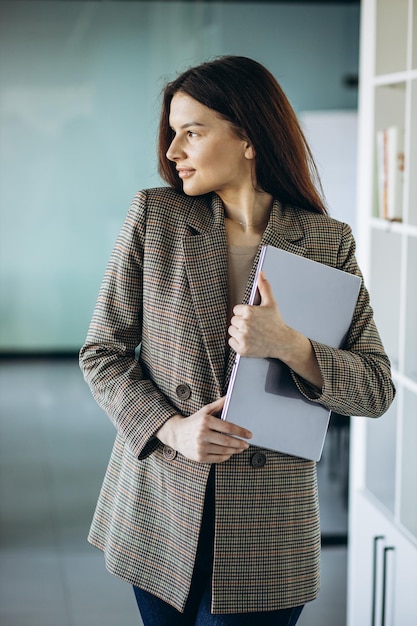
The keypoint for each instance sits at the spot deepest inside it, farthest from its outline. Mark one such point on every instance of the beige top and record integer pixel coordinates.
(240, 261)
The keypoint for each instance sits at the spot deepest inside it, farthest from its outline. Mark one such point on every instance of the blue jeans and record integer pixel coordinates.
(156, 612)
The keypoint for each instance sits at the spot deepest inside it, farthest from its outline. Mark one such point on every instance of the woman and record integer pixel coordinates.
(209, 529)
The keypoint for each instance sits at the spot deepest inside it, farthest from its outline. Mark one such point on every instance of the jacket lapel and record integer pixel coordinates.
(205, 252)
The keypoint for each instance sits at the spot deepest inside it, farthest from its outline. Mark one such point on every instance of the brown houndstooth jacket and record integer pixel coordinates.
(165, 288)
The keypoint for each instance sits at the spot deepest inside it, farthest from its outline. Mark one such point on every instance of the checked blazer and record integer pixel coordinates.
(157, 346)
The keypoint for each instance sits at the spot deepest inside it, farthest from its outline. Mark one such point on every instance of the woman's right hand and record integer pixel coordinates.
(203, 437)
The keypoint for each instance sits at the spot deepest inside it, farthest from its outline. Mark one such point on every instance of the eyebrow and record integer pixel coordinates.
(188, 124)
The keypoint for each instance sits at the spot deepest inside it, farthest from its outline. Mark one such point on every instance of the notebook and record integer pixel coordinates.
(317, 300)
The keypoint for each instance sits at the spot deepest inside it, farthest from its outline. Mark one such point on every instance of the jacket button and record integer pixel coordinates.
(169, 453)
(183, 391)
(258, 460)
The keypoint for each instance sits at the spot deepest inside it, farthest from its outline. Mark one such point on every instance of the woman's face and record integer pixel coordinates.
(208, 154)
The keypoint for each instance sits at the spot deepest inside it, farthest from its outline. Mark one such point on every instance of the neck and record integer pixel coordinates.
(247, 224)
(250, 212)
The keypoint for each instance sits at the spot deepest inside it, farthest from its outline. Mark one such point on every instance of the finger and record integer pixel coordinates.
(234, 430)
(265, 291)
(233, 331)
(234, 344)
(217, 405)
(225, 451)
(227, 442)
(219, 448)
(235, 321)
(240, 310)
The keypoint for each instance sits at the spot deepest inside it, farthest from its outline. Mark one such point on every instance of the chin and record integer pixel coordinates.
(195, 191)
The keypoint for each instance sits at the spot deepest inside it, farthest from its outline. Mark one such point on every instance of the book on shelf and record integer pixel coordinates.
(390, 172)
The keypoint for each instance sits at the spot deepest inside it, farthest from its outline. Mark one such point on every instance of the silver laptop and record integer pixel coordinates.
(318, 301)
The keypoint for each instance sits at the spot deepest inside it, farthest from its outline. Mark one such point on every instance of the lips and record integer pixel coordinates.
(184, 172)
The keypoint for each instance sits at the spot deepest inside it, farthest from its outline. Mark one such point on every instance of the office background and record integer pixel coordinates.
(79, 104)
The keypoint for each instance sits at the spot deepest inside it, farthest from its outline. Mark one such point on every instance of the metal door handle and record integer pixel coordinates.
(377, 538)
(384, 582)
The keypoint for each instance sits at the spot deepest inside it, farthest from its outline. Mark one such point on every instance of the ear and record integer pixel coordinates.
(249, 151)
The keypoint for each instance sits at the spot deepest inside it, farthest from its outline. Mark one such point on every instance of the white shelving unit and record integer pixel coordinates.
(382, 577)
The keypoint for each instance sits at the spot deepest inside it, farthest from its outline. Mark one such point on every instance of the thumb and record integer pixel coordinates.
(265, 291)
(217, 405)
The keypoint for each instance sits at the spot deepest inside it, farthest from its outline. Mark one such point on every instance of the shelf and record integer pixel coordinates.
(383, 477)
(399, 228)
(391, 80)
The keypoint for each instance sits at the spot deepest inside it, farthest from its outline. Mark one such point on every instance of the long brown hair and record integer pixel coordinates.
(246, 94)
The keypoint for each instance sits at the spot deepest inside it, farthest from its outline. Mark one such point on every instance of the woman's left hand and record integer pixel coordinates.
(259, 331)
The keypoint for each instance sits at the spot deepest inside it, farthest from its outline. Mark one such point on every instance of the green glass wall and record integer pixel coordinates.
(79, 98)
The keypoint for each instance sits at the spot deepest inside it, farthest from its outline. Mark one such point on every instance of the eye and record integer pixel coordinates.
(191, 133)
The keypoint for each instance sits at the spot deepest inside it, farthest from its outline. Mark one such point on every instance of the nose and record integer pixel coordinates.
(175, 151)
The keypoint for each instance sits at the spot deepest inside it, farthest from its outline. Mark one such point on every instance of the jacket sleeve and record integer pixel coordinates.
(107, 359)
(357, 377)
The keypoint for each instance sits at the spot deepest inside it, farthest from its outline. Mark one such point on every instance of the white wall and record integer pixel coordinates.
(332, 136)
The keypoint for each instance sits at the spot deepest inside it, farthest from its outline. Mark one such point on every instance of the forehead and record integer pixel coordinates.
(185, 109)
